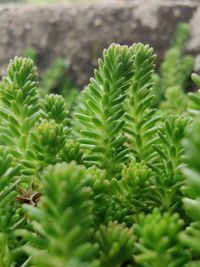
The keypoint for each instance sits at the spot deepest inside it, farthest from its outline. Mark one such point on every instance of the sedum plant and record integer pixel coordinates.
(62, 243)
(113, 183)
(102, 133)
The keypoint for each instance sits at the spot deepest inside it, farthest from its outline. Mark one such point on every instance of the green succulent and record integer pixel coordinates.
(114, 183)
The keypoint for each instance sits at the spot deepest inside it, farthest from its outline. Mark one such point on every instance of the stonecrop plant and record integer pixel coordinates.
(115, 183)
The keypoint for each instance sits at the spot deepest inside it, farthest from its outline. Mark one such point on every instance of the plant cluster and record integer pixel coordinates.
(116, 183)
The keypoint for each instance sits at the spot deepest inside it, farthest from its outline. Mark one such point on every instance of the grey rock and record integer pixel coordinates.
(193, 45)
(79, 33)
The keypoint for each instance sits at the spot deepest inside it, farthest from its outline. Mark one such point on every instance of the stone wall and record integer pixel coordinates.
(80, 32)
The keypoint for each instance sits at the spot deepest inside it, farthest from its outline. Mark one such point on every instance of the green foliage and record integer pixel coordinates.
(112, 183)
(132, 193)
(195, 97)
(191, 188)
(54, 108)
(53, 74)
(55, 80)
(20, 107)
(176, 101)
(47, 139)
(170, 151)
(140, 124)
(60, 242)
(72, 152)
(172, 81)
(116, 243)
(158, 244)
(101, 133)
(10, 215)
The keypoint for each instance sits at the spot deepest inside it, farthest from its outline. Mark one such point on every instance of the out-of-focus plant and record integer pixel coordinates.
(172, 81)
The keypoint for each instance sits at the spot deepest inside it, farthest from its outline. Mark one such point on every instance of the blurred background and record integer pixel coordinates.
(63, 1)
(66, 37)
(54, 1)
